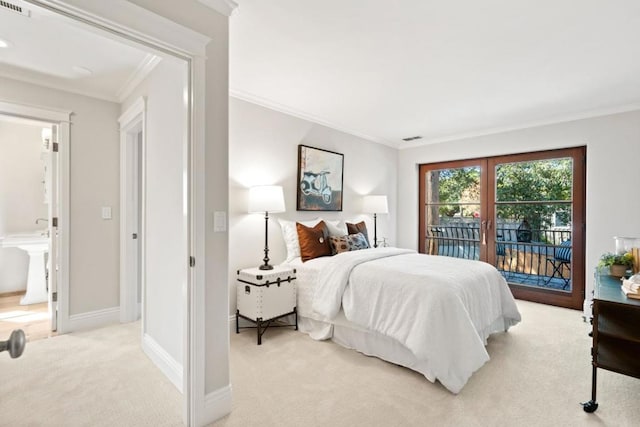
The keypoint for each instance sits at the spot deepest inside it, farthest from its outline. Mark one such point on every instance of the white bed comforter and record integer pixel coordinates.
(442, 309)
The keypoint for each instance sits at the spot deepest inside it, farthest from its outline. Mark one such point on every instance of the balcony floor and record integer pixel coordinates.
(536, 281)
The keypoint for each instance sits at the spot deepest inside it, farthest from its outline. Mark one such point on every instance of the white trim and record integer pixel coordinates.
(141, 72)
(546, 122)
(163, 360)
(217, 404)
(121, 18)
(62, 118)
(254, 99)
(232, 324)
(57, 85)
(401, 145)
(137, 108)
(133, 118)
(64, 224)
(125, 19)
(225, 7)
(93, 319)
(35, 112)
(195, 380)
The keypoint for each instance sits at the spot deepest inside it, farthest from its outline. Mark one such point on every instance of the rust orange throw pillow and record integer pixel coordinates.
(314, 241)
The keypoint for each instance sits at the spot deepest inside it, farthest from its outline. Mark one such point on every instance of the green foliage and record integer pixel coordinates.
(532, 190)
(609, 259)
(535, 181)
(458, 185)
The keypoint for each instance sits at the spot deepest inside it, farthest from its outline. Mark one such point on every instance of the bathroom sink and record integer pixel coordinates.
(29, 241)
(36, 244)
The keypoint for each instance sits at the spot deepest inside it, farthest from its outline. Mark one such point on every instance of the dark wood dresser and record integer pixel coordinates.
(616, 333)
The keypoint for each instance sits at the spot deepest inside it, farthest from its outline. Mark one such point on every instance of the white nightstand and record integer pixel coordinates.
(264, 296)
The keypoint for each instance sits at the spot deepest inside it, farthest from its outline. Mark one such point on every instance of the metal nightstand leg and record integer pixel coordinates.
(258, 326)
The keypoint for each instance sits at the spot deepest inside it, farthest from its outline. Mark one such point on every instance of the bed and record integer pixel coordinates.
(432, 314)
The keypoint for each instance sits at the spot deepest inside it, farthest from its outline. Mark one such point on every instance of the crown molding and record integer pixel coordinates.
(145, 68)
(49, 83)
(225, 7)
(245, 96)
(590, 114)
(120, 18)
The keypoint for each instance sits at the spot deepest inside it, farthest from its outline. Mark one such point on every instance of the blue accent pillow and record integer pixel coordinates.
(351, 242)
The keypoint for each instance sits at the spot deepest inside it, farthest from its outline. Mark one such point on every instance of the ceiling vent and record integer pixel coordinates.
(5, 5)
(411, 138)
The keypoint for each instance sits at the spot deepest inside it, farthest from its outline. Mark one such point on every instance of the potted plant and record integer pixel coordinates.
(618, 263)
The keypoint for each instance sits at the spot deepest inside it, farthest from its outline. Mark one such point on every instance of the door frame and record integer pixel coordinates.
(487, 165)
(453, 164)
(62, 119)
(578, 227)
(136, 24)
(132, 209)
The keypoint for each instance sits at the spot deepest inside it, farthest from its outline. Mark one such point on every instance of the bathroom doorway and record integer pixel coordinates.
(29, 235)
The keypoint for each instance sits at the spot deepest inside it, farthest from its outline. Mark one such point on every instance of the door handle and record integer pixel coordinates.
(15, 344)
(484, 232)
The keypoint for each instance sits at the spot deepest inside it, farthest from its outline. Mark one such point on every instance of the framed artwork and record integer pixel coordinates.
(319, 179)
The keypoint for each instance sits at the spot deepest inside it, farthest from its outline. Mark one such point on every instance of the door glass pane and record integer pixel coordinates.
(533, 222)
(453, 212)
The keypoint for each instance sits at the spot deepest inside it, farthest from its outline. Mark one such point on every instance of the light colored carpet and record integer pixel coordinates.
(93, 378)
(538, 373)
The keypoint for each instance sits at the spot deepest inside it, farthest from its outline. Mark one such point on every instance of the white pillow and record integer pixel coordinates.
(336, 229)
(290, 235)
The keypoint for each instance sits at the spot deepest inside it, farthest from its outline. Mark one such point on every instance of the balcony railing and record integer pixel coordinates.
(531, 263)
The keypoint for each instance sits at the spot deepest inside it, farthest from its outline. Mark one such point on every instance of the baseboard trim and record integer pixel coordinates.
(12, 293)
(163, 360)
(93, 319)
(217, 404)
(232, 323)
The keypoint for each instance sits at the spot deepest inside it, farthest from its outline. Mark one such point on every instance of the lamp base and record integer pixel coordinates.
(266, 267)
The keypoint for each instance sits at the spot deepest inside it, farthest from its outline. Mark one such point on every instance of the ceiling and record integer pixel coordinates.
(441, 70)
(54, 51)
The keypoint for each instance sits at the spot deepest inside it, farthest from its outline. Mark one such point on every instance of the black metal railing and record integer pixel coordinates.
(534, 261)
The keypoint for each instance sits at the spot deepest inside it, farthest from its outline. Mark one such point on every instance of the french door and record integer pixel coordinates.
(522, 213)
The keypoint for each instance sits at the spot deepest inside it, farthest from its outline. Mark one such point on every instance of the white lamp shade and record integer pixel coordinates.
(375, 204)
(266, 198)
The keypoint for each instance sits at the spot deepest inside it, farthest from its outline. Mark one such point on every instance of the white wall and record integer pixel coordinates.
(264, 150)
(21, 196)
(196, 15)
(193, 14)
(165, 232)
(94, 151)
(613, 151)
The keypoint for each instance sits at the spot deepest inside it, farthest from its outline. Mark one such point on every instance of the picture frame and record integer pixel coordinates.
(320, 179)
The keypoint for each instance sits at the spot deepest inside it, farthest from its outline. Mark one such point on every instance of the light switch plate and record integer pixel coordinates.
(219, 221)
(106, 212)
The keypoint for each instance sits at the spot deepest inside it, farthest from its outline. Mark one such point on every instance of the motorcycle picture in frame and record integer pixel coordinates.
(320, 179)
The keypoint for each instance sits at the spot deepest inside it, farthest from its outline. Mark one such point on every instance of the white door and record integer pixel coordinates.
(134, 221)
(52, 195)
(131, 212)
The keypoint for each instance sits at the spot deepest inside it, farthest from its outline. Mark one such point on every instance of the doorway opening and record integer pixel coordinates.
(522, 213)
(132, 214)
(30, 251)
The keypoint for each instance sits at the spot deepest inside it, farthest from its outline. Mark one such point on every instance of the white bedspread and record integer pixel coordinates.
(442, 309)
